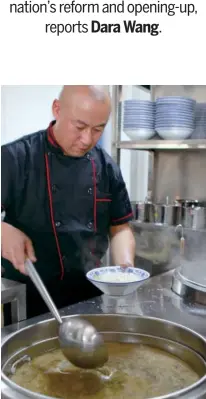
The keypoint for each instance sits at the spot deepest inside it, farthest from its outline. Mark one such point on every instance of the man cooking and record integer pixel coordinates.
(64, 197)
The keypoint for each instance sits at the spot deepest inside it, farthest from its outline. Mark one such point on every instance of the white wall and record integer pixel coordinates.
(25, 109)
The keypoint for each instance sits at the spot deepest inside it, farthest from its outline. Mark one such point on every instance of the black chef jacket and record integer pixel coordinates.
(64, 204)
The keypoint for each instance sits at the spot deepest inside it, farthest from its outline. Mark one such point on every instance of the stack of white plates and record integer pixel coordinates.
(175, 117)
(200, 122)
(138, 119)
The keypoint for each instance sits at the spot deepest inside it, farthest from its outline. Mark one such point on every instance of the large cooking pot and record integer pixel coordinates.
(175, 339)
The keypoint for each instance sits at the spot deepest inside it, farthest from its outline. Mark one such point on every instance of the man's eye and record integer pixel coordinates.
(98, 130)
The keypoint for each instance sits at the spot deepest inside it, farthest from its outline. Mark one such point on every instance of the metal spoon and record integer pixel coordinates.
(80, 342)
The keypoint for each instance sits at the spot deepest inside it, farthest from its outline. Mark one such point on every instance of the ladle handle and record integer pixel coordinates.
(36, 279)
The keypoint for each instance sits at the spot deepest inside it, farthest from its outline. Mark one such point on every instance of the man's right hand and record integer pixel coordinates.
(16, 246)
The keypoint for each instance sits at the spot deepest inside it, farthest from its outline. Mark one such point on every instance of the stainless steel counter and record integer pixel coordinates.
(155, 298)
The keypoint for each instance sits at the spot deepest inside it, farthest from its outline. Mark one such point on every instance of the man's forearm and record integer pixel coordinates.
(122, 245)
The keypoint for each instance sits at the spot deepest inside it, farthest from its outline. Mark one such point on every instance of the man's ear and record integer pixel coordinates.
(56, 109)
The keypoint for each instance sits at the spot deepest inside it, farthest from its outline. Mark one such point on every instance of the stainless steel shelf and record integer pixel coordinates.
(150, 145)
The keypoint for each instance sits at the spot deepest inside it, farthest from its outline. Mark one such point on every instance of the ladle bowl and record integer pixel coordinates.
(80, 342)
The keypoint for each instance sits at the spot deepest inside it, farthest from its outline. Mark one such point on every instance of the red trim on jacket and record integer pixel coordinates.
(95, 201)
(52, 140)
(124, 217)
(51, 137)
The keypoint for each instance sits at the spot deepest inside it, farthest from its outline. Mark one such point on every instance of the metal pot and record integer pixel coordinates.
(171, 213)
(194, 217)
(171, 337)
(148, 212)
(145, 212)
(193, 214)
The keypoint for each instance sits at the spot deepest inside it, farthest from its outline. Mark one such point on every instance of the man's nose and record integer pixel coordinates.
(86, 138)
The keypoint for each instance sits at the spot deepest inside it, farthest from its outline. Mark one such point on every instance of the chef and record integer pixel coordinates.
(64, 199)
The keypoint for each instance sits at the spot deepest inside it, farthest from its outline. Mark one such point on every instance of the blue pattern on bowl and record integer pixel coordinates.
(139, 273)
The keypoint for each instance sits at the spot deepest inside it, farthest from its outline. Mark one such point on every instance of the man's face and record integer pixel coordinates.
(79, 123)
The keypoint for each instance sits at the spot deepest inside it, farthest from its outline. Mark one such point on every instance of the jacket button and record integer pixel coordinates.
(90, 225)
(57, 224)
(54, 188)
(90, 190)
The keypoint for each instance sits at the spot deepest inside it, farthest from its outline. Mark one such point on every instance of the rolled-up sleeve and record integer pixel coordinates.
(7, 168)
(121, 211)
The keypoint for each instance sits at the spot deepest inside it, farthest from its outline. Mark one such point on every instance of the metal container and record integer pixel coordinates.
(173, 338)
(177, 214)
(172, 213)
(148, 212)
(14, 293)
(187, 289)
(158, 213)
(145, 212)
(194, 217)
(168, 215)
(193, 214)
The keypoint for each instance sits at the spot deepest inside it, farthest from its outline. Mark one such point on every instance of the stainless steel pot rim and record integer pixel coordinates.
(109, 315)
(188, 282)
(30, 394)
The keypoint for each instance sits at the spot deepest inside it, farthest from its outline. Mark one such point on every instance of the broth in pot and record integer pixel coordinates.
(133, 371)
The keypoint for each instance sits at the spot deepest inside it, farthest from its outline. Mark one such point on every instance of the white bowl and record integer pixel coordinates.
(174, 133)
(175, 100)
(117, 280)
(139, 133)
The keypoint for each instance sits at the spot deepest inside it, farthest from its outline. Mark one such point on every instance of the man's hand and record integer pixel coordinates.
(16, 246)
(126, 265)
(122, 245)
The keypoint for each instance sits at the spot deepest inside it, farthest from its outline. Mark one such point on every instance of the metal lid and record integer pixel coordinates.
(188, 289)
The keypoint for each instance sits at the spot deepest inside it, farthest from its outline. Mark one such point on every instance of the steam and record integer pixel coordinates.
(90, 250)
(160, 245)
(193, 264)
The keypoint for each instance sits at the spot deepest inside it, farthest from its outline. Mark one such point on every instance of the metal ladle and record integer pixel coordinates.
(81, 344)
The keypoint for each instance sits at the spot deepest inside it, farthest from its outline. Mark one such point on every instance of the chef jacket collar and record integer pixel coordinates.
(51, 138)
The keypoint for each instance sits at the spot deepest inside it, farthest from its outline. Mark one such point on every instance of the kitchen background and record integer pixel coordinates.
(165, 176)
(160, 145)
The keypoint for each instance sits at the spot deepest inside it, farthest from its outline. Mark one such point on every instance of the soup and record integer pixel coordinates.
(133, 371)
